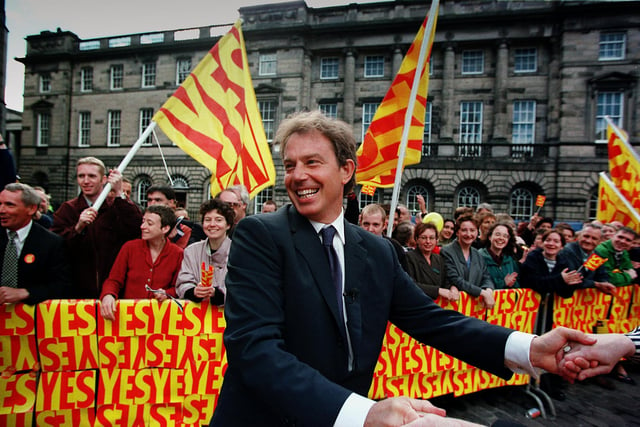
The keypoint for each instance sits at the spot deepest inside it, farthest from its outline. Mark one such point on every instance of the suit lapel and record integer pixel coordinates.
(309, 247)
(355, 255)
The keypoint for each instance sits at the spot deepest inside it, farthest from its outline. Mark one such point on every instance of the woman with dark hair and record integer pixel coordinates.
(426, 268)
(208, 255)
(498, 256)
(151, 261)
(465, 266)
(546, 270)
(446, 234)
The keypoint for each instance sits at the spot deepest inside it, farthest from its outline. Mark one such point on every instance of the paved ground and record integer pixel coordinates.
(587, 404)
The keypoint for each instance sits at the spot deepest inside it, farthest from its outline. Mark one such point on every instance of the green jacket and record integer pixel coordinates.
(614, 267)
(498, 272)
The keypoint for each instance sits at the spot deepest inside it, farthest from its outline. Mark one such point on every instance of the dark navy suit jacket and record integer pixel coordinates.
(288, 355)
(43, 268)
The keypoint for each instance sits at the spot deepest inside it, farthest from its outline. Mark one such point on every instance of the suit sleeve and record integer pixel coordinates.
(254, 338)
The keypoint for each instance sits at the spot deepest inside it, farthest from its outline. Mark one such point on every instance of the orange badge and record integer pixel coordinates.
(29, 258)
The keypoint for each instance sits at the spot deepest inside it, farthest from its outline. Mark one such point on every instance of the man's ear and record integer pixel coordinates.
(165, 229)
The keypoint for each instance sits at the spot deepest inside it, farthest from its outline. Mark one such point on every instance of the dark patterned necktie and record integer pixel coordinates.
(334, 264)
(10, 262)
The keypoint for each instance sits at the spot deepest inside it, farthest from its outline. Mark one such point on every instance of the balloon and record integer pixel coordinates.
(435, 218)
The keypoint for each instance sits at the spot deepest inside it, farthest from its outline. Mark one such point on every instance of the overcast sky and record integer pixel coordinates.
(101, 18)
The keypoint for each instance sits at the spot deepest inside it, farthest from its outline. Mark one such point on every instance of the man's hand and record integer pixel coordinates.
(597, 359)
(115, 179)
(398, 411)
(547, 350)
(86, 217)
(108, 307)
(10, 295)
(606, 287)
(571, 277)
(421, 203)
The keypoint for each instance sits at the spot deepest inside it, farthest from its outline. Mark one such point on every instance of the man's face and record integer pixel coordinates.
(589, 238)
(158, 198)
(236, 203)
(314, 180)
(544, 226)
(90, 180)
(404, 214)
(622, 241)
(14, 214)
(266, 208)
(126, 189)
(151, 227)
(373, 223)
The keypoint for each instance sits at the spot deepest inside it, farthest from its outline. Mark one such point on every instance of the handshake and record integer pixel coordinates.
(580, 356)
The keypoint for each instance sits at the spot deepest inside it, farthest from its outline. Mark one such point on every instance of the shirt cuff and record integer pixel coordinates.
(354, 411)
(517, 352)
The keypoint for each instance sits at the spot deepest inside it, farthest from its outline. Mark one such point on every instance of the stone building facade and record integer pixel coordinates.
(517, 96)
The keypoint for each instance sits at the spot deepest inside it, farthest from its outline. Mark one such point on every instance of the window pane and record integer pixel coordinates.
(470, 129)
(521, 204)
(329, 110)
(145, 120)
(268, 113)
(45, 83)
(86, 79)
(117, 73)
(426, 140)
(608, 104)
(183, 68)
(524, 122)
(113, 137)
(412, 201)
(525, 60)
(329, 68)
(43, 134)
(472, 62)
(365, 199)
(84, 137)
(612, 46)
(142, 187)
(261, 197)
(468, 197)
(368, 111)
(268, 65)
(374, 66)
(149, 74)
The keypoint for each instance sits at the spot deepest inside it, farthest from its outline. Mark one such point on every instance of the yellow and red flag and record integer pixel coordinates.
(378, 153)
(624, 164)
(213, 116)
(594, 261)
(540, 200)
(613, 206)
(369, 190)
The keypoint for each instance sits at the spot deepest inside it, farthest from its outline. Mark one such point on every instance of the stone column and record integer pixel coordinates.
(305, 96)
(349, 85)
(397, 61)
(448, 107)
(500, 93)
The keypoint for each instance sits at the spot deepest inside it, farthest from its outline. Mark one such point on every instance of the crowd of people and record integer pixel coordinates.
(311, 361)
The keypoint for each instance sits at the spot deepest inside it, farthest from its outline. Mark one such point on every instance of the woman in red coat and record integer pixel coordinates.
(150, 261)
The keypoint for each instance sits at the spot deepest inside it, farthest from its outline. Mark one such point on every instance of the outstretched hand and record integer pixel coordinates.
(398, 411)
(600, 358)
(548, 350)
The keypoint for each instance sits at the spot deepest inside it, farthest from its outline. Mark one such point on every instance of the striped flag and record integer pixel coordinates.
(213, 116)
(613, 206)
(378, 153)
(624, 164)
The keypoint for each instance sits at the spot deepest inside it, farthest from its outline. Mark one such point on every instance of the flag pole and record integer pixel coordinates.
(624, 200)
(124, 163)
(422, 59)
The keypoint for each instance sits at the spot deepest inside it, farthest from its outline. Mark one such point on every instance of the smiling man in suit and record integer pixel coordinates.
(302, 353)
(33, 261)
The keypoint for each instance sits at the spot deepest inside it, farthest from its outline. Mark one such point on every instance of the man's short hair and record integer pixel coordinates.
(270, 203)
(166, 214)
(240, 191)
(168, 192)
(486, 206)
(543, 220)
(338, 132)
(93, 161)
(627, 230)
(223, 208)
(29, 196)
(403, 232)
(373, 209)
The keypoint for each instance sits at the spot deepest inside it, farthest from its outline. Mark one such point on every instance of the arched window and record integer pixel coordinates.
(261, 197)
(180, 182)
(521, 204)
(592, 205)
(412, 202)
(365, 199)
(141, 191)
(468, 197)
